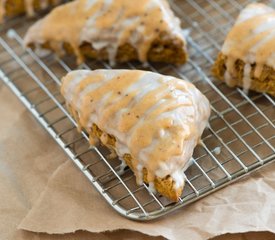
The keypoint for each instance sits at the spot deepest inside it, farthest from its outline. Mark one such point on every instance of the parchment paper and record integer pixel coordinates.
(69, 204)
(42, 191)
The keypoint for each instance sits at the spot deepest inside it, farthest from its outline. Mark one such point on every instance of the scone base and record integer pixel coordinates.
(166, 51)
(265, 83)
(17, 7)
(164, 186)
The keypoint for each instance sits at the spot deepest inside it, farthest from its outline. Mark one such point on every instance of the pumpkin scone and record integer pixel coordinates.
(247, 58)
(114, 30)
(151, 121)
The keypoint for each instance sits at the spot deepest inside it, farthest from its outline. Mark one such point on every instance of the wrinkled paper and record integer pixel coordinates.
(42, 191)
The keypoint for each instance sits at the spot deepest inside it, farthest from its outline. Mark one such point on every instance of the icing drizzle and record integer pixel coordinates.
(251, 40)
(157, 119)
(106, 24)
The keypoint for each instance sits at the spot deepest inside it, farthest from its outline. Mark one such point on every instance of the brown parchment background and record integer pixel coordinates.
(41, 191)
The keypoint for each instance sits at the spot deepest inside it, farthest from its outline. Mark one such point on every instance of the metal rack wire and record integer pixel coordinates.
(239, 140)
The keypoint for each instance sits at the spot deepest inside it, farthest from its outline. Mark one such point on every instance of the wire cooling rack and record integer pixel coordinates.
(241, 134)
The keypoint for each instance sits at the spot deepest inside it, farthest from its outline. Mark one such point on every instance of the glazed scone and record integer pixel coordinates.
(114, 30)
(152, 122)
(247, 58)
(12, 8)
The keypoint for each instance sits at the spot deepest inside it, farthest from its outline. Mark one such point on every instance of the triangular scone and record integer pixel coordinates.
(247, 58)
(12, 8)
(153, 122)
(117, 30)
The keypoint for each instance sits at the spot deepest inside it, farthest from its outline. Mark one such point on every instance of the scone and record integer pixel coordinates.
(114, 30)
(152, 122)
(12, 8)
(247, 58)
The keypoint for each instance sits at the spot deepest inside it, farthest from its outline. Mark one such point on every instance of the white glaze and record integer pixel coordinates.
(189, 116)
(251, 40)
(107, 24)
(217, 150)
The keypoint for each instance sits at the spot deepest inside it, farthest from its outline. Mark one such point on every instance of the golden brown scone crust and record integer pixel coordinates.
(16, 7)
(162, 50)
(164, 186)
(265, 83)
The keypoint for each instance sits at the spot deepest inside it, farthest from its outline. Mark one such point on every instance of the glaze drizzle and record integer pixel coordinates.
(251, 40)
(107, 24)
(157, 119)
